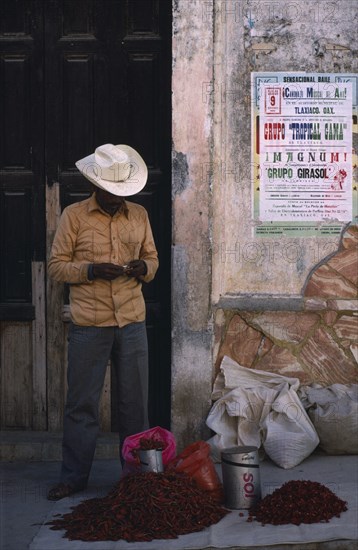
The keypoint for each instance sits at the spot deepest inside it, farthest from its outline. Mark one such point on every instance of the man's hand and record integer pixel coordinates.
(136, 268)
(107, 271)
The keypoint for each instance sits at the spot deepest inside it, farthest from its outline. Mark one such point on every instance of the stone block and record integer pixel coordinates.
(241, 342)
(346, 264)
(347, 327)
(286, 326)
(282, 361)
(350, 238)
(327, 361)
(325, 282)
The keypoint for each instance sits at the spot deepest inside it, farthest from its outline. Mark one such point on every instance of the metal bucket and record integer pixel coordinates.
(151, 460)
(241, 477)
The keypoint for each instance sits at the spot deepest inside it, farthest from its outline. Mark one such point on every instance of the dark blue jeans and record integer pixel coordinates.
(89, 349)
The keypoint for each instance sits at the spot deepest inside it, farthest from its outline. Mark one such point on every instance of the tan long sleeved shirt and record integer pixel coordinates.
(87, 235)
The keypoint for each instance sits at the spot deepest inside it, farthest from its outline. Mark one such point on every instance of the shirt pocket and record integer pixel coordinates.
(130, 250)
(93, 247)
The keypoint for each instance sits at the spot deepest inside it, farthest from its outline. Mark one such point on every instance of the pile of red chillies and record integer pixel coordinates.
(298, 502)
(143, 507)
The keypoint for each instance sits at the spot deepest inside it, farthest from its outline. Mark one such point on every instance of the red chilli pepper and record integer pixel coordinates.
(143, 507)
(298, 502)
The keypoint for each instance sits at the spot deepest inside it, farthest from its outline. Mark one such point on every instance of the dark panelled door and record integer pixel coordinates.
(106, 79)
(22, 235)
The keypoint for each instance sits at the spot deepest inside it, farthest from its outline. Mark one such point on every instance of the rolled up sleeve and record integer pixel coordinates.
(61, 266)
(149, 253)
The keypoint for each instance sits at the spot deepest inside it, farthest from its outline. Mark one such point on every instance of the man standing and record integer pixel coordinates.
(104, 249)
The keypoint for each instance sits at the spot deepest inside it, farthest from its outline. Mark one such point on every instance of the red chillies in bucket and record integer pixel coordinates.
(297, 502)
(148, 444)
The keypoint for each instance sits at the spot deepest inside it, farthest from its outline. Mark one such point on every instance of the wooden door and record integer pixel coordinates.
(21, 155)
(77, 74)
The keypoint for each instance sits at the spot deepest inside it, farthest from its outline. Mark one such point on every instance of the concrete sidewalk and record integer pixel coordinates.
(24, 507)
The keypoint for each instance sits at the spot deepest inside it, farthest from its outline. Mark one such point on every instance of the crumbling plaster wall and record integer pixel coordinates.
(219, 268)
(266, 36)
(192, 146)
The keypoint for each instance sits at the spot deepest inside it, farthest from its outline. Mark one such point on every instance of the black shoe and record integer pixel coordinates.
(61, 490)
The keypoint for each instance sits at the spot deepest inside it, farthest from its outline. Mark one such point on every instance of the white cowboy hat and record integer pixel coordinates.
(118, 169)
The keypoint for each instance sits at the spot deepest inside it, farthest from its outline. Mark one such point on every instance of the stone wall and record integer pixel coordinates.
(286, 305)
(318, 344)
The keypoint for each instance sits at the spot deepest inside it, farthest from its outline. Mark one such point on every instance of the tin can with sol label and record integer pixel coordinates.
(241, 477)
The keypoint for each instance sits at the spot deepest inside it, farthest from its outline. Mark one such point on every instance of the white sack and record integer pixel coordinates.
(333, 411)
(288, 434)
(260, 408)
(232, 375)
(237, 417)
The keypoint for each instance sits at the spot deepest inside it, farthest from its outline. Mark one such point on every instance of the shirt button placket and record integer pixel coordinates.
(113, 243)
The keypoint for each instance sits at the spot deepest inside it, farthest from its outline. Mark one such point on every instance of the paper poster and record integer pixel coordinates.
(302, 146)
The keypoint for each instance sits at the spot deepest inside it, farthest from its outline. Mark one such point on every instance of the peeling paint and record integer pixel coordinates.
(319, 48)
(180, 173)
